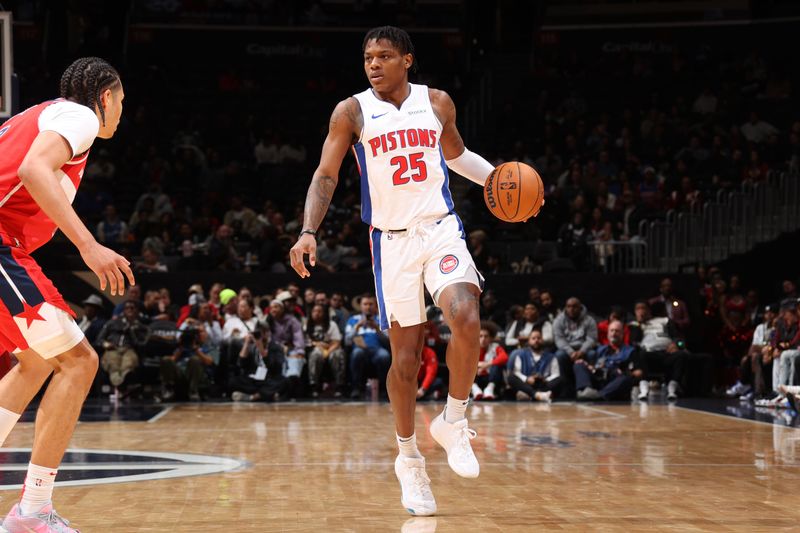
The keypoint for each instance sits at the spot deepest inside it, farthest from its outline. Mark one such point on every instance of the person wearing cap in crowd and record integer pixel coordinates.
(756, 376)
(195, 297)
(228, 301)
(290, 303)
(92, 321)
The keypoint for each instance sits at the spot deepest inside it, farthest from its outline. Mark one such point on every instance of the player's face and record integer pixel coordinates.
(385, 66)
(111, 100)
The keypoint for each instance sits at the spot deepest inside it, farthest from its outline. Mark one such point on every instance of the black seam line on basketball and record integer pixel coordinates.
(519, 193)
(497, 193)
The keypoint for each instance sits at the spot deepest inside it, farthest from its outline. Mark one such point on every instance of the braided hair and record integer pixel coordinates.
(397, 36)
(85, 80)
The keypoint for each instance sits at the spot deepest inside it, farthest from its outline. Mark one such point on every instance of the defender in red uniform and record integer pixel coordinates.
(43, 153)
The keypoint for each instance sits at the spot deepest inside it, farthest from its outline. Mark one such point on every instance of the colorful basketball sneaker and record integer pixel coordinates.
(45, 521)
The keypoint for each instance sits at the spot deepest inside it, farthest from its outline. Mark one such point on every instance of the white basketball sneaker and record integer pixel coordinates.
(415, 485)
(454, 438)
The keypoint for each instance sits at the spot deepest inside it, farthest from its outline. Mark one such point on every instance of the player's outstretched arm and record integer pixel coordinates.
(49, 152)
(457, 156)
(345, 121)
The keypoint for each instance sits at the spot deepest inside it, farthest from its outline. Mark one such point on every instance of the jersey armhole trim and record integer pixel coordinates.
(363, 119)
(433, 110)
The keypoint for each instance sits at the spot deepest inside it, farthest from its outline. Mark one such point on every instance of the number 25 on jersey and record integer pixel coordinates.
(414, 163)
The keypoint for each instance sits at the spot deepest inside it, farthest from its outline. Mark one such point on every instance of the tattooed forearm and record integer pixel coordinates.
(317, 200)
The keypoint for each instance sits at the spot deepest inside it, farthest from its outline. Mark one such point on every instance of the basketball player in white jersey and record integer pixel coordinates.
(405, 138)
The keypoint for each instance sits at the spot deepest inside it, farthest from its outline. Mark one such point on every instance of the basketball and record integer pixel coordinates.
(514, 192)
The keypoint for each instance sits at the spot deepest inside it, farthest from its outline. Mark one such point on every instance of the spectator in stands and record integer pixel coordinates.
(669, 305)
(339, 310)
(134, 294)
(548, 309)
(240, 213)
(756, 130)
(608, 375)
(112, 230)
(491, 363)
(201, 317)
(659, 352)
(287, 331)
(786, 343)
(756, 376)
(519, 331)
(364, 337)
(324, 342)
(122, 339)
(261, 363)
(490, 311)
(575, 332)
(533, 373)
(186, 367)
(150, 262)
(92, 321)
(214, 299)
(222, 253)
(330, 253)
(430, 386)
(735, 339)
(243, 322)
(616, 313)
(308, 301)
(573, 241)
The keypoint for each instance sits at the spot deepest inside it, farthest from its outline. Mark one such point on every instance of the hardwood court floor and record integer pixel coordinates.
(564, 467)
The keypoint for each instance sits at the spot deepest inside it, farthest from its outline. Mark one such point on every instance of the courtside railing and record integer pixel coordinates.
(731, 223)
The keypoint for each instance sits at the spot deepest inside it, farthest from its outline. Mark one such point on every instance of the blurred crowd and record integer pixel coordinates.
(295, 343)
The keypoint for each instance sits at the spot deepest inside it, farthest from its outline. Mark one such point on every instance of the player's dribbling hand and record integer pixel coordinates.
(306, 244)
(110, 267)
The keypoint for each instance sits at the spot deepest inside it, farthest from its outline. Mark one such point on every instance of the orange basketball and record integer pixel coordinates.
(514, 192)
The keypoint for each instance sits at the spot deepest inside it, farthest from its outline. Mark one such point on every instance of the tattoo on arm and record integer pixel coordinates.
(317, 200)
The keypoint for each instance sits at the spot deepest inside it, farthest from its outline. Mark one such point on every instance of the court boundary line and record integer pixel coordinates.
(161, 414)
(731, 417)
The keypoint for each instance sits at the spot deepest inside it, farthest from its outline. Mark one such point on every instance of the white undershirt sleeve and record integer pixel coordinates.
(471, 166)
(75, 122)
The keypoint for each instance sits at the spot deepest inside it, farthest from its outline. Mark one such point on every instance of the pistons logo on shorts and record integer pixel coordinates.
(448, 264)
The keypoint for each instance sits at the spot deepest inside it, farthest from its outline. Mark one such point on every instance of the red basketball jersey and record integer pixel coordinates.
(22, 221)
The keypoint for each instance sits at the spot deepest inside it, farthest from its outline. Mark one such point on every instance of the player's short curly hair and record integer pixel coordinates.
(85, 80)
(397, 36)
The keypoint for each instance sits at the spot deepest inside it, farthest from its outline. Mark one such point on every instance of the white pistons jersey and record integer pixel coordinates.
(404, 179)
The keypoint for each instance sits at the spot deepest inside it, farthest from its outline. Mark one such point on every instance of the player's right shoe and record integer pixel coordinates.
(45, 521)
(454, 438)
(415, 485)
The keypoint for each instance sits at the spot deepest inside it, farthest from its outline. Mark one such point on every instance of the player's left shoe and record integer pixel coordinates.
(415, 485)
(454, 438)
(45, 521)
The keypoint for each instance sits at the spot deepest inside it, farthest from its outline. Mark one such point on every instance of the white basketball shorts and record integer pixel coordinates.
(430, 255)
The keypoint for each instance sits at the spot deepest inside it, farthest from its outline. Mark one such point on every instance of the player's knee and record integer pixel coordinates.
(81, 363)
(405, 365)
(467, 320)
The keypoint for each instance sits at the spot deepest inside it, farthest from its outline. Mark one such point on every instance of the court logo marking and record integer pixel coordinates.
(99, 467)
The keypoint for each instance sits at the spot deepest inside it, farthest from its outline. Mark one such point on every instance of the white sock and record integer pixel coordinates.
(38, 489)
(8, 420)
(408, 446)
(455, 409)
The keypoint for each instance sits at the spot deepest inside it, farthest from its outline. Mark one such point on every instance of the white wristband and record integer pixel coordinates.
(471, 166)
